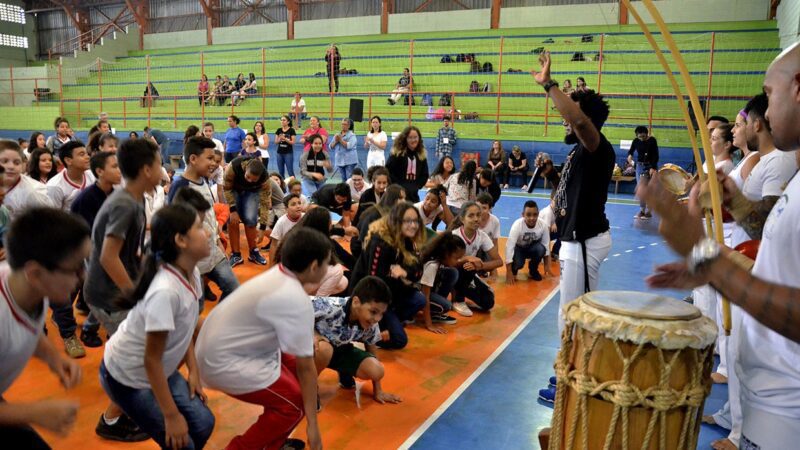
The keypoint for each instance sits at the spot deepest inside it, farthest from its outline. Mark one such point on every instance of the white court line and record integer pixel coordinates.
(466, 384)
(628, 251)
(616, 254)
(640, 247)
(654, 244)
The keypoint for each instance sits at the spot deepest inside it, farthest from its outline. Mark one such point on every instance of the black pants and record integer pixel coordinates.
(22, 437)
(334, 81)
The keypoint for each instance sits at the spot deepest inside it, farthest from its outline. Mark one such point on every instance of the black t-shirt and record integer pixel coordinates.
(516, 162)
(285, 147)
(87, 204)
(646, 152)
(583, 191)
(325, 197)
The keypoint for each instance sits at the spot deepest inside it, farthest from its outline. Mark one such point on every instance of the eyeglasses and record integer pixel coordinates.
(410, 222)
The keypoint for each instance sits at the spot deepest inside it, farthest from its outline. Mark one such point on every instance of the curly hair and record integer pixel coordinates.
(389, 228)
(400, 146)
(593, 105)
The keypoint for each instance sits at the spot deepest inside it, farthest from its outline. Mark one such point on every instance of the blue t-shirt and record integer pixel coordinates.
(233, 140)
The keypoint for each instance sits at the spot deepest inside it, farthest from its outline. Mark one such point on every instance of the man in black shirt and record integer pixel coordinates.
(335, 197)
(580, 199)
(646, 149)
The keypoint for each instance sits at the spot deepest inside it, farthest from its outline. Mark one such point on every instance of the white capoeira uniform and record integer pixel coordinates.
(768, 364)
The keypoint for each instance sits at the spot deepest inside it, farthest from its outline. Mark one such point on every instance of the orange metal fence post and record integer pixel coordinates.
(369, 108)
(600, 63)
(332, 76)
(546, 112)
(11, 75)
(175, 111)
(710, 73)
(124, 112)
(60, 90)
(411, 71)
(100, 81)
(203, 72)
(499, 86)
(36, 91)
(149, 98)
(650, 116)
(79, 111)
(264, 83)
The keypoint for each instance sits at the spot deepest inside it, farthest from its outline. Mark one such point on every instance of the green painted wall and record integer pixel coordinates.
(249, 33)
(546, 16)
(476, 19)
(347, 26)
(175, 39)
(688, 11)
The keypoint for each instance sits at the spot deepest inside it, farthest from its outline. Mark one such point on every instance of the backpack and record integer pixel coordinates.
(445, 100)
(578, 56)
(537, 50)
(486, 87)
(461, 58)
(471, 116)
(474, 86)
(548, 41)
(470, 57)
(487, 67)
(587, 38)
(475, 66)
(427, 100)
(446, 59)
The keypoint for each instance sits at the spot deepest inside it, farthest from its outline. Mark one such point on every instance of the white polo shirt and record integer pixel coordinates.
(171, 304)
(27, 193)
(19, 333)
(523, 235)
(481, 241)
(239, 347)
(428, 219)
(63, 191)
(492, 227)
(769, 364)
(283, 226)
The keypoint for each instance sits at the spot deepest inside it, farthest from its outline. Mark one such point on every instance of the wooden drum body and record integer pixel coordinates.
(633, 373)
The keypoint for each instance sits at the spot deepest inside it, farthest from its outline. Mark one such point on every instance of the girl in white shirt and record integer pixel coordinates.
(461, 187)
(22, 192)
(376, 143)
(139, 371)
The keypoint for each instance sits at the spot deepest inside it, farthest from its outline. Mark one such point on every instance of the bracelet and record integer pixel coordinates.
(549, 85)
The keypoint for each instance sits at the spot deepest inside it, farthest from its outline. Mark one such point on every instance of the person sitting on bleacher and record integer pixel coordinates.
(517, 164)
(248, 88)
(149, 95)
(404, 85)
(215, 91)
(225, 90)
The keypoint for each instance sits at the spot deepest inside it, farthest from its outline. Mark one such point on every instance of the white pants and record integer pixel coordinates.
(397, 93)
(572, 276)
(375, 158)
(768, 431)
(730, 415)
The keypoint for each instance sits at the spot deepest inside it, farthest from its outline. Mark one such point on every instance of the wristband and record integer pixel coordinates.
(547, 86)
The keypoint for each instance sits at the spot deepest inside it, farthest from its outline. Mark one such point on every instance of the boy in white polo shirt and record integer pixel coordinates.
(258, 345)
(76, 176)
(294, 212)
(46, 249)
(529, 239)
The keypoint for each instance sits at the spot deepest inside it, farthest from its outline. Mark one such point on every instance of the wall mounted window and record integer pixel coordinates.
(11, 13)
(6, 40)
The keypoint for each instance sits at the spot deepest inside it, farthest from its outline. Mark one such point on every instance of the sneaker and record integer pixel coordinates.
(91, 339)
(346, 381)
(391, 102)
(548, 395)
(536, 275)
(462, 309)
(236, 259)
(255, 257)
(443, 318)
(74, 348)
(553, 381)
(266, 247)
(648, 215)
(124, 430)
(293, 444)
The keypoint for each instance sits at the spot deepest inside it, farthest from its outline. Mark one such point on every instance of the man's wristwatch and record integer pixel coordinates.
(549, 85)
(702, 254)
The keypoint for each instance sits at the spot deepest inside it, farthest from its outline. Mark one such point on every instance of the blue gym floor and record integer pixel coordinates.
(499, 408)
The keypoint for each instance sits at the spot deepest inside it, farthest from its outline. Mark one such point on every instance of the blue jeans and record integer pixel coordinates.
(641, 170)
(286, 160)
(534, 252)
(141, 406)
(247, 203)
(311, 186)
(346, 171)
(400, 310)
(446, 279)
(223, 276)
(64, 317)
(472, 287)
(300, 118)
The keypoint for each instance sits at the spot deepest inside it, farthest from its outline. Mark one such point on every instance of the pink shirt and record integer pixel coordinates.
(309, 132)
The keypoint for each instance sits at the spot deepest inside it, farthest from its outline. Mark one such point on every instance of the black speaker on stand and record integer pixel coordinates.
(356, 110)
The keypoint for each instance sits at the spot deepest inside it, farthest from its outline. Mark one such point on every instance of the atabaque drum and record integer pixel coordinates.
(633, 372)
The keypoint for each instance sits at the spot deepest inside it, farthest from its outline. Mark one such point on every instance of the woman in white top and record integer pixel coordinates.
(461, 187)
(722, 147)
(376, 143)
(262, 137)
(140, 364)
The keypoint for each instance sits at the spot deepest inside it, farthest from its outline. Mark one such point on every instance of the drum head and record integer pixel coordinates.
(673, 178)
(641, 305)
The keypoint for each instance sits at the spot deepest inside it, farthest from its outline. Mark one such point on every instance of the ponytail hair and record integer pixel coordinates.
(440, 246)
(167, 222)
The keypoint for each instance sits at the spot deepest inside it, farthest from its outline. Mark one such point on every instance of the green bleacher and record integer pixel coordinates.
(630, 74)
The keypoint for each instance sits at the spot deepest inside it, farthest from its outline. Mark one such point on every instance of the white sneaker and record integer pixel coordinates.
(462, 309)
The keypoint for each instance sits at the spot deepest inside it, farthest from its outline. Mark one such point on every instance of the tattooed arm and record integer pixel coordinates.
(753, 222)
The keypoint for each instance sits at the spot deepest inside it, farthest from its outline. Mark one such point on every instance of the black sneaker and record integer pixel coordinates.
(91, 339)
(293, 444)
(536, 275)
(266, 247)
(346, 381)
(123, 431)
(443, 318)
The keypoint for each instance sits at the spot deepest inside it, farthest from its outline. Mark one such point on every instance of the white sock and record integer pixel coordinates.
(110, 422)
